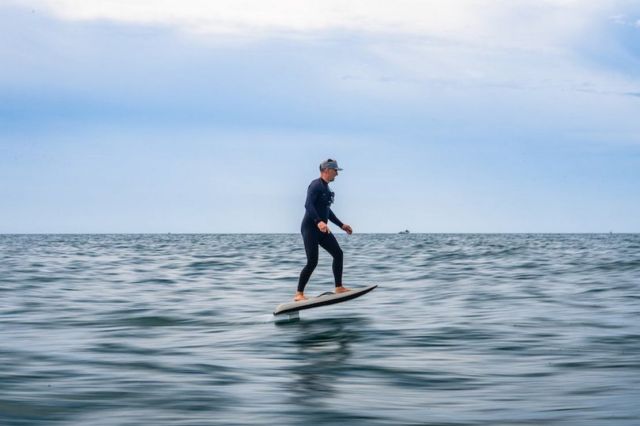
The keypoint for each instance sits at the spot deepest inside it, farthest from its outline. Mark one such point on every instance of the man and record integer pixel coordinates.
(316, 232)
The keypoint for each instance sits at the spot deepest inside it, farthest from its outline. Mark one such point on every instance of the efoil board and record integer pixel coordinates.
(322, 300)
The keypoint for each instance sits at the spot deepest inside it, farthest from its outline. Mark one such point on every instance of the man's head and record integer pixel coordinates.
(329, 170)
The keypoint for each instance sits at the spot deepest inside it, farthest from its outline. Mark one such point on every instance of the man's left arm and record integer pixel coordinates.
(333, 218)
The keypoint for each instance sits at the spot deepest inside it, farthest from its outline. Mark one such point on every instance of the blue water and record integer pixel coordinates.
(177, 330)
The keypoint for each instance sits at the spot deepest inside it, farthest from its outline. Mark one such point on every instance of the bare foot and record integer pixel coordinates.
(299, 297)
(342, 289)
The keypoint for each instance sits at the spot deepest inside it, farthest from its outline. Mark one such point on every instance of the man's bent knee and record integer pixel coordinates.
(311, 265)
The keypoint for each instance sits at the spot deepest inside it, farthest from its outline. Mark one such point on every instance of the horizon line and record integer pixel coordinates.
(297, 233)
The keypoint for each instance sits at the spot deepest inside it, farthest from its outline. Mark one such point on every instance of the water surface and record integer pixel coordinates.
(177, 329)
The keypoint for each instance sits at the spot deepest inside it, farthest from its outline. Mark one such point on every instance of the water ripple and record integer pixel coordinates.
(177, 330)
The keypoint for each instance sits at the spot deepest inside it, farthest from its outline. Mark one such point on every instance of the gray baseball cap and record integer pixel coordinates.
(329, 164)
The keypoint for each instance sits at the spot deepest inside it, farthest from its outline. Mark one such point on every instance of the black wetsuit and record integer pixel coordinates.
(318, 209)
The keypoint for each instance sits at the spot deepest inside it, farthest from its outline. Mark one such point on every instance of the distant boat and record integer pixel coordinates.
(406, 231)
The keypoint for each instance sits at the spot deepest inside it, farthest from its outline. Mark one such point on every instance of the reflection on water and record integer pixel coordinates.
(323, 348)
(323, 351)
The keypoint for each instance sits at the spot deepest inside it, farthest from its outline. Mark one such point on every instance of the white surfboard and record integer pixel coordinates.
(324, 299)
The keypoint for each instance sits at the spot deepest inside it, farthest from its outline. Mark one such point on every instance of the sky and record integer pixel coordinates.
(211, 116)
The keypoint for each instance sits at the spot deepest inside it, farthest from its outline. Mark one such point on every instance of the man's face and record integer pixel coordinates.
(331, 174)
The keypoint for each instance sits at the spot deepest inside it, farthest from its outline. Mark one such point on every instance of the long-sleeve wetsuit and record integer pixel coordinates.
(318, 209)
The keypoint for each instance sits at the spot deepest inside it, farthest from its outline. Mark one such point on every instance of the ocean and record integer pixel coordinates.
(464, 329)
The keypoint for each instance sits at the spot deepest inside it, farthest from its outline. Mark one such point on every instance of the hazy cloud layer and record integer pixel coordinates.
(525, 23)
(121, 54)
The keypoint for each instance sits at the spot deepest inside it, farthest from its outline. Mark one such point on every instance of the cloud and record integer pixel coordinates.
(527, 23)
(231, 16)
(625, 20)
(465, 37)
(97, 64)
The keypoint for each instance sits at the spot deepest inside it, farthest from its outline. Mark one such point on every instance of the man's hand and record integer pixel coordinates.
(323, 227)
(347, 229)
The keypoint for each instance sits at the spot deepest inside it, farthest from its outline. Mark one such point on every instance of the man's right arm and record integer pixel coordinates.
(312, 195)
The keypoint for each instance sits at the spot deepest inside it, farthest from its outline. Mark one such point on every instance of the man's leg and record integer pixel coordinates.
(330, 244)
(311, 249)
